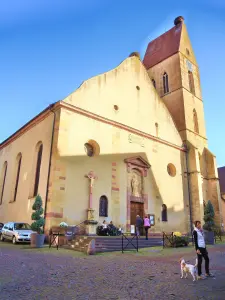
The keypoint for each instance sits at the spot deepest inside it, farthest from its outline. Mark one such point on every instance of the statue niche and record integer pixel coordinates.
(136, 184)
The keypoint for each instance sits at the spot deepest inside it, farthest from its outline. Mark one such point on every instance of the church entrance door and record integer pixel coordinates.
(136, 208)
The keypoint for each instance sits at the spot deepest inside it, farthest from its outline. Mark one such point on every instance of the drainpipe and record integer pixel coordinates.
(189, 192)
(50, 160)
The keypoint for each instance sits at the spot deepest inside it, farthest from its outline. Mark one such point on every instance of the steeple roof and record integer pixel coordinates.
(164, 46)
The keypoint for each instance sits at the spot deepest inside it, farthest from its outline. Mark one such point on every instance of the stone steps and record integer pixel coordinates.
(109, 244)
(89, 244)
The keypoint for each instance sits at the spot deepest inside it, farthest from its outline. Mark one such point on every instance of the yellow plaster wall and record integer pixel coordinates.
(115, 146)
(20, 210)
(139, 109)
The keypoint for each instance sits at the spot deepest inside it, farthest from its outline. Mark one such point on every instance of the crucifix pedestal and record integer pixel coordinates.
(91, 224)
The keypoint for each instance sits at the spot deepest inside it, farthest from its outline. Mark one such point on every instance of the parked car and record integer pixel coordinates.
(1, 226)
(16, 232)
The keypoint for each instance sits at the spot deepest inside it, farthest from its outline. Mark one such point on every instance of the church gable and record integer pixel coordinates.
(126, 95)
(185, 46)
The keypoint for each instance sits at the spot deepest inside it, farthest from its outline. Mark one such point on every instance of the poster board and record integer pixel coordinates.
(152, 219)
(132, 229)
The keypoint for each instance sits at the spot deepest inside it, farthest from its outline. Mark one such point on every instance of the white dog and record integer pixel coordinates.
(187, 268)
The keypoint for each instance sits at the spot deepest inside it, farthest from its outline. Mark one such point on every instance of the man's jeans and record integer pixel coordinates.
(138, 230)
(203, 254)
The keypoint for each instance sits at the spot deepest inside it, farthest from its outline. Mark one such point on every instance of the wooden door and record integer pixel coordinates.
(136, 208)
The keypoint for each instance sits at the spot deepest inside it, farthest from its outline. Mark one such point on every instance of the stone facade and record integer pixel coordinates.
(137, 135)
(186, 108)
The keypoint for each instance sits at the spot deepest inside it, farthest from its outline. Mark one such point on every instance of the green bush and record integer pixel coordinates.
(181, 241)
(37, 215)
(209, 215)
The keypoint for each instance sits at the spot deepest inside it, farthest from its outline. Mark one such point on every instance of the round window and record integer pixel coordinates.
(171, 169)
(89, 149)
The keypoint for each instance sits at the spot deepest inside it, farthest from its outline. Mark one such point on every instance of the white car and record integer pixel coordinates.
(16, 232)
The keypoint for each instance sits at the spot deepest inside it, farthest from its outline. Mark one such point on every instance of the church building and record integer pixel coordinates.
(129, 141)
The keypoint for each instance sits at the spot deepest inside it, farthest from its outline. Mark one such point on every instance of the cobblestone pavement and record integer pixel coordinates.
(63, 274)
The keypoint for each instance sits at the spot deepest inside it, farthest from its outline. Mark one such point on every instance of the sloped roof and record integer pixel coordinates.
(221, 173)
(163, 47)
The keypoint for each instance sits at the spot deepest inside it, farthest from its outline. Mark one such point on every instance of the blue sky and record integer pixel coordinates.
(47, 48)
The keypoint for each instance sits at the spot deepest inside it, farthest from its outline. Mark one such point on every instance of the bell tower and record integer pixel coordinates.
(172, 67)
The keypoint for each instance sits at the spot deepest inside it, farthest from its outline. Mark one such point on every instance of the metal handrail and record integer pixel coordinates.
(129, 241)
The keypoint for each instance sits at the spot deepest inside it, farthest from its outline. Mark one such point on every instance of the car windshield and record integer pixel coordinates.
(22, 226)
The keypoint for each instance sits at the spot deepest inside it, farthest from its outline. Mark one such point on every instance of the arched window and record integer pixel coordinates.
(103, 206)
(165, 83)
(191, 82)
(18, 166)
(156, 129)
(164, 213)
(2, 182)
(153, 82)
(195, 121)
(38, 169)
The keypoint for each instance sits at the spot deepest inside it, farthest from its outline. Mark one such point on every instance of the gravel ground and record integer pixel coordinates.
(63, 274)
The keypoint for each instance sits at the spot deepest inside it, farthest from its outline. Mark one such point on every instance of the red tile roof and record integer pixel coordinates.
(221, 173)
(163, 47)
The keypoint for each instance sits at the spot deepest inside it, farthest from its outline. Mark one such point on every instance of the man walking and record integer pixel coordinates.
(201, 250)
(139, 224)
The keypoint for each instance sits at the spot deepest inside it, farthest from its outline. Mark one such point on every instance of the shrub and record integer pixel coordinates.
(181, 241)
(37, 215)
(209, 217)
(63, 224)
(177, 233)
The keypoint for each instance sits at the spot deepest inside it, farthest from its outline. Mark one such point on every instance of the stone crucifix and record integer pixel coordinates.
(92, 177)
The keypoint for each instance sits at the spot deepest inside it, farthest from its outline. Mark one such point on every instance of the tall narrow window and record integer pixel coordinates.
(18, 166)
(191, 82)
(164, 213)
(153, 82)
(195, 121)
(38, 169)
(165, 83)
(156, 129)
(2, 183)
(103, 206)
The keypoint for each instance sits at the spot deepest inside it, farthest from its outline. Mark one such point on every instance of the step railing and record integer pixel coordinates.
(129, 241)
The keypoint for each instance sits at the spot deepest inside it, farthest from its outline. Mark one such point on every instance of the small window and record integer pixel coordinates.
(18, 167)
(89, 149)
(187, 51)
(3, 178)
(38, 169)
(191, 82)
(195, 121)
(153, 82)
(103, 206)
(138, 88)
(164, 213)
(156, 129)
(92, 148)
(171, 169)
(165, 83)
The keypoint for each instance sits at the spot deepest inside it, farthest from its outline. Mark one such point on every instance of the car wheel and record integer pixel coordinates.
(14, 240)
(2, 238)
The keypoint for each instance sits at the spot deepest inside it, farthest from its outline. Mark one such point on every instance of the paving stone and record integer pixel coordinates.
(63, 274)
